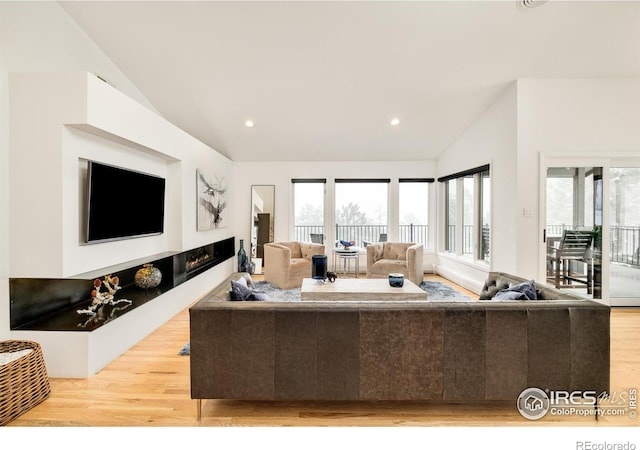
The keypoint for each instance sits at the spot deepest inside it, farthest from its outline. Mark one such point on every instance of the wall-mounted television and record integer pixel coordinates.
(123, 203)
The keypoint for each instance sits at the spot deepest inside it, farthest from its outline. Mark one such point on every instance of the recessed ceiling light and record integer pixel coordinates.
(395, 121)
(249, 123)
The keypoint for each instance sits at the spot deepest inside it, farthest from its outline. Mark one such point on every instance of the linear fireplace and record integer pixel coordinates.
(198, 258)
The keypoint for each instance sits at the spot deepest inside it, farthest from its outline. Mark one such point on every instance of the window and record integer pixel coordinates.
(468, 214)
(451, 215)
(485, 215)
(414, 210)
(308, 207)
(560, 195)
(361, 210)
(468, 202)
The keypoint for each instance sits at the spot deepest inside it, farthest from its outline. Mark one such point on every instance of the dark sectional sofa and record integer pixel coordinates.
(393, 350)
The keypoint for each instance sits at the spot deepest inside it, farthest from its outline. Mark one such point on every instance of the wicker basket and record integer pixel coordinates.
(23, 382)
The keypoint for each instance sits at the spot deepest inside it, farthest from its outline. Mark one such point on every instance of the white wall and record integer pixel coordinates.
(40, 37)
(59, 120)
(491, 139)
(4, 202)
(585, 117)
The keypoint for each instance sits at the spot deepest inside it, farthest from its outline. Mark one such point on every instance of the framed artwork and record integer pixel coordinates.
(211, 201)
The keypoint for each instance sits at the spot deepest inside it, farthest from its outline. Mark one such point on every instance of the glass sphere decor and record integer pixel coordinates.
(396, 279)
(148, 277)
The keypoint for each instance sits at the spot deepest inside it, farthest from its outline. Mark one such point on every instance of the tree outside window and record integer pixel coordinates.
(361, 211)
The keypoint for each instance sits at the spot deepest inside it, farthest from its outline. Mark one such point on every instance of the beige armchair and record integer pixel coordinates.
(384, 258)
(287, 263)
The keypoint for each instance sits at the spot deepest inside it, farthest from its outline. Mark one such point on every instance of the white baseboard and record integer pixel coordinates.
(467, 283)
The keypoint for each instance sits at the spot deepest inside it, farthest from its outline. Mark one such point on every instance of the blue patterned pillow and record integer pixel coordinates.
(510, 295)
(522, 291)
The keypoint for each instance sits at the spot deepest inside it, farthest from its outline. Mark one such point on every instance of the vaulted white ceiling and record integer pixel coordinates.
(322, 80)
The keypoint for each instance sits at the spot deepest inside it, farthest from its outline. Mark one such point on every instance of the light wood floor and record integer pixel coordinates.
(148, 386)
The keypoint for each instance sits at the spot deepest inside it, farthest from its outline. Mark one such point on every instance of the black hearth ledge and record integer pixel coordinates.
(49, 304)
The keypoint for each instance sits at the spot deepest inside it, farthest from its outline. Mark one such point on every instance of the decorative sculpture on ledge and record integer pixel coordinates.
(112, 285)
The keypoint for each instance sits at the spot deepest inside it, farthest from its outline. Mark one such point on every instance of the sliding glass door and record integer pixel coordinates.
(624, 212)
(572, 233)
(591, 229)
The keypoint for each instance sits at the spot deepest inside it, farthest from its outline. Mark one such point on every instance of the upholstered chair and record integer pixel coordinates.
(384, 258)
(287, 263)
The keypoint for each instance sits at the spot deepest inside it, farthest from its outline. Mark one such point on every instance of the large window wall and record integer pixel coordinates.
(362, 211)
(467, 212)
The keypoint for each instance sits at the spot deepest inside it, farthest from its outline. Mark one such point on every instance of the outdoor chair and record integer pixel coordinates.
(570, 261)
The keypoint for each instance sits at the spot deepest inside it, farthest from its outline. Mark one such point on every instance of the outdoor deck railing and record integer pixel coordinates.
(625, 245)
(467, 240)
(365, 233)
(624, 248)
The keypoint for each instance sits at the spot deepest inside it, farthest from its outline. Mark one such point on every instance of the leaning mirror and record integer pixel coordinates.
(262, 220)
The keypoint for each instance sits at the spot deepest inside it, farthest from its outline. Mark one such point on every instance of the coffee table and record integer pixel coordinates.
(359, 289)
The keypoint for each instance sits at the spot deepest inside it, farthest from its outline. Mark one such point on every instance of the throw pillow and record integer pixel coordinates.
(239, 290)
(526, 288)
(258, 296)
(510, 295)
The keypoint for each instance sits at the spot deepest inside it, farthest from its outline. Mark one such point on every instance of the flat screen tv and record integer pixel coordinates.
(123, 203)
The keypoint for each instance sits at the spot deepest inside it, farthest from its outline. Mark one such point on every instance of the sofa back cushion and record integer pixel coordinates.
(395, 250)
(309, 249)
(296, 252)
